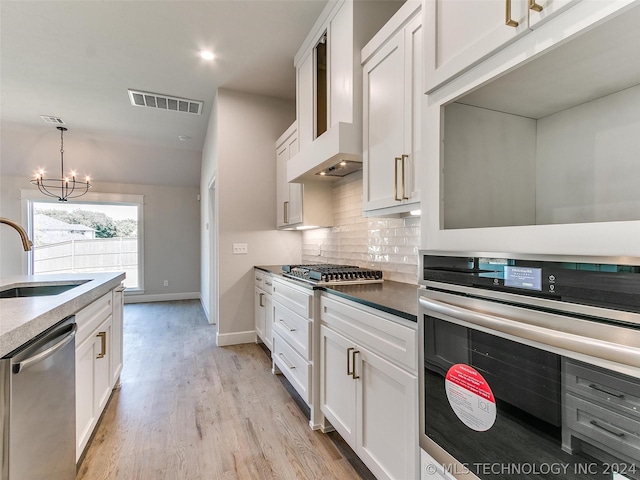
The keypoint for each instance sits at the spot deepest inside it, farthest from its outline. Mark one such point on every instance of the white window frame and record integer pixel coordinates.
(29, 196)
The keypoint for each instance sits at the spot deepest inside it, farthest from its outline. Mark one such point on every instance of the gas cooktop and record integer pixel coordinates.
(330, 274)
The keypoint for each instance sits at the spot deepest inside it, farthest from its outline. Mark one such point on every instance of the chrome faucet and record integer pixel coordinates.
(26, 243)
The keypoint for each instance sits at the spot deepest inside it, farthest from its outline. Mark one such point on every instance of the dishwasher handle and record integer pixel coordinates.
(18, 367)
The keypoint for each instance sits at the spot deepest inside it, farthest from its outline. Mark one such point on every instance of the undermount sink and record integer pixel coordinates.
(39, 290)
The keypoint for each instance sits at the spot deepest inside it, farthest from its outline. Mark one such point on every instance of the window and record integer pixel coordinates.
(100, 234)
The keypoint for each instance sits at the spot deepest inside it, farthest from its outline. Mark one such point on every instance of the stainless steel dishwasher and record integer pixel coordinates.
(37, 407)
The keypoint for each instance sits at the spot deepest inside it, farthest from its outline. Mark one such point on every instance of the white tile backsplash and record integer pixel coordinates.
(387, 244)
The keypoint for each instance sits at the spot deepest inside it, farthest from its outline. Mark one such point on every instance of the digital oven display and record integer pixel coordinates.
(523, 277)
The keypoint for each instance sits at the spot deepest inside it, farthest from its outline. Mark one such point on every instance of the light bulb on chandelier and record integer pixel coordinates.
(64, 187)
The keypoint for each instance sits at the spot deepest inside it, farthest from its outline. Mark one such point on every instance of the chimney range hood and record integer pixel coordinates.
(334, 154)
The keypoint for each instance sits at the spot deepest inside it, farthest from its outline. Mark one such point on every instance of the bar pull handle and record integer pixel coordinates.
(286, 212)
(353, 362)
(508, 21)
(268, 284)
(395, 180)
(534, 6)
(349, 371)
(404, 197)
(260, 299)
(602, 427)
(286, 362)
(596, 387)
(287, 326)
(103, 344)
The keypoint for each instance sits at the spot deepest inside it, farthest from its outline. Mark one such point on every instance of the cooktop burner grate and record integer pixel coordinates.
(331, 274)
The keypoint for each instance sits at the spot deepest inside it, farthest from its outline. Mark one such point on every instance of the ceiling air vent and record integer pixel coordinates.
(52, 119)
(164, 102)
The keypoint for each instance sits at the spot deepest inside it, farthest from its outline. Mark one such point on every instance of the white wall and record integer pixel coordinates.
(171, 235)
(240, 152)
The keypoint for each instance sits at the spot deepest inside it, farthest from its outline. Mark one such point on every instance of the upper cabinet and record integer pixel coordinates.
(392, 93)
(535, 150)
(329, 95)
(299, 206)
(462, 33)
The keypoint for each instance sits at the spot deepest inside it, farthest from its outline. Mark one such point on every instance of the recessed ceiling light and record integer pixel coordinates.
(207, 55)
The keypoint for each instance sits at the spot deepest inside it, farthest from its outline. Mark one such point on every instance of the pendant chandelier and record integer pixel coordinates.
(64, 187)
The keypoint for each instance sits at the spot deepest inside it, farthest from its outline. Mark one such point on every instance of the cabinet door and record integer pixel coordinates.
(259, 305)
(116, 337)
(387, 406)
(461, 33)
(542, 10)
(384, 125)
(102, 367)
(268, 321)
(294, 208)
(282, 186)
(337, 386)
(85, 402)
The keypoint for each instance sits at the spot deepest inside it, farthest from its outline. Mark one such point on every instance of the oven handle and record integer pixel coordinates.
(592, 347)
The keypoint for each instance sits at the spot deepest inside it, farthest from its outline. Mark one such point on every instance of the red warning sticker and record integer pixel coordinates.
(470, 397)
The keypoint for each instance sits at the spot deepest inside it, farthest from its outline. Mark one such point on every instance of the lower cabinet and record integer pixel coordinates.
(263, 307)
(98, 362)
(369, 398)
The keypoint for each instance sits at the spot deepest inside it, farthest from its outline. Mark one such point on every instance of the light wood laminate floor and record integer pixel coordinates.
(190, 410)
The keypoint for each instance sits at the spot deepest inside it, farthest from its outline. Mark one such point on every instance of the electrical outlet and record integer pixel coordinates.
(240, 249)
(166, 283)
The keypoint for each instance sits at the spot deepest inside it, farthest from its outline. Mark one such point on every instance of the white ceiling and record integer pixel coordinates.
(76, 59)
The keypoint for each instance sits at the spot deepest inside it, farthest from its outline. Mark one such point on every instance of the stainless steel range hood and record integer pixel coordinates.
(337, 152)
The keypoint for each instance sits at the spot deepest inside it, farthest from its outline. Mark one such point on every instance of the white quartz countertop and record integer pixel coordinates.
(22, 319)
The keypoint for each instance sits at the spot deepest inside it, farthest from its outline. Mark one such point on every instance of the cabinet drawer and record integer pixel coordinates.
(90, 317)
(292, 365)
(611, 431)
(267, 282)
(617, 392)
(297, 299)
(389, 339)
(259, 275)
(293, 328)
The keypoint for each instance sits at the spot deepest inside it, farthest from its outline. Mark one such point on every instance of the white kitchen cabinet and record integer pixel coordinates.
(98, 341)
(369, 386)
(328, 88)
(462, 33)
(392, 86)
(288, 195)
(116, 343)
(264, 307)
(510, 167)
(295, 353)
(299, 205)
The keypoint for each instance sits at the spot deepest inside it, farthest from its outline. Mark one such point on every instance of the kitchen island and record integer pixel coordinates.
(24, 318)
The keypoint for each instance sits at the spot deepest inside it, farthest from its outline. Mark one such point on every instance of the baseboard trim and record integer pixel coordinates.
(161, 297)
(236, 338)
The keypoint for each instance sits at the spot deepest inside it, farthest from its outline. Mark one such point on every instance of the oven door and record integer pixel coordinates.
(511, 391)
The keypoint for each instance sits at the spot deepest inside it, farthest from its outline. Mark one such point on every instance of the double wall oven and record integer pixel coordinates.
(530, 366)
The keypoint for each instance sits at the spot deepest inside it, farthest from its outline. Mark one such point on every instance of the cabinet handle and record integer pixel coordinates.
(596, 387)
(287, 326)
(349, 371)
(404, 197)
(260, 300)
(268, 284)
(103, 344)
(353, 362)
(602, 427)
(286, 362)
(286, 212)
(395, 179)
(508, 21)
(534, 6)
